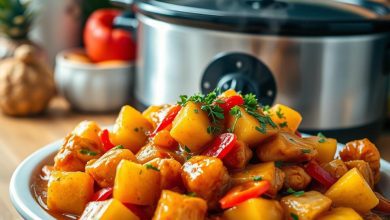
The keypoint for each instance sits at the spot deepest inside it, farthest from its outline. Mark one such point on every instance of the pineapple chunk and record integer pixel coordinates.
(69, 192)
(130, 129)
(352, 190)
(107, 210)
(103, 169)
(253, 209)
(176, 206)
(245, 128)
(190, 127)
(89, 130)
(341, 213)
(307, 207)
(136, 184)
(326, 148)
(286, 117)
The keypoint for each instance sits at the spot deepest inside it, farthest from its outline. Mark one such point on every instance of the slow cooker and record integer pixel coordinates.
(327, 59)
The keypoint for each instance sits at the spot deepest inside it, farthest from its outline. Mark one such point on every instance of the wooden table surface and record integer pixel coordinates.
(19, 137)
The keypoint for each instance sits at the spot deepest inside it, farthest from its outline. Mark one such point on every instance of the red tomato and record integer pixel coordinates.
(103, 42)
(243, 192)
(221, 145)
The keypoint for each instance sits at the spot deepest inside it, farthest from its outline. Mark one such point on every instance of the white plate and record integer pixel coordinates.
(25, 203)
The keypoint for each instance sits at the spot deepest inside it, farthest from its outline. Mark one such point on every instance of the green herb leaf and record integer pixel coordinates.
(261, 129)
(257, 178)
(119, 147)
(236, 112)
(266, 108)
(191, 194)
(322, 138)
(183, 100)
(279, 113)
(282, 125)
(186, 149)
(213, 129)
(294, 216)
(278, 164)
(306, 151)
(150, 166)
(88, 152)
(196, 110)
(295, 193)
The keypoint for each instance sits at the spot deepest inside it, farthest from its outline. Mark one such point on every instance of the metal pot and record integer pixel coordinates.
(327, 59)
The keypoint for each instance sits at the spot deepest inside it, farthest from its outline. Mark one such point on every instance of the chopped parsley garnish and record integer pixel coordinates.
(213, 129)
(251, 107)
(192, 194)
(257, 178)
(294, 216)
(186, 149)
(119, 147)
(322, 138)
(295, 193)
(278, 164)
(88, 152)
(150, 166)
(282, 125)
(235, 111)
(196, 110)
(279, 113)
(306, 151)
(266, 109)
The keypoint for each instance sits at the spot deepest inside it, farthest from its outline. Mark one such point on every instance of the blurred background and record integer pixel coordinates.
(65, 61)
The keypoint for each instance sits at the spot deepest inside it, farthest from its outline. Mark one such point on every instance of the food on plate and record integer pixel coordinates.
(214, 156)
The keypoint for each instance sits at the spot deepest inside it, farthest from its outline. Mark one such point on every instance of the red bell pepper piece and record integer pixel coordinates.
(105, 139)
(244, 192)
(102, 194)
(297, 133)
(168, 119)
(320, 174)
(221, 145)
(228, 103)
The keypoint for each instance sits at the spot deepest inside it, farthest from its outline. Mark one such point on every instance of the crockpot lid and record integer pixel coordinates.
(313, 17)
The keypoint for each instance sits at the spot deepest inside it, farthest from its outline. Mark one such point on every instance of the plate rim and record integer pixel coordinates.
(20, 190)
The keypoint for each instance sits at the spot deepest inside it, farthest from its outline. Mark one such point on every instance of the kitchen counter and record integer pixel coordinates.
(19, 137)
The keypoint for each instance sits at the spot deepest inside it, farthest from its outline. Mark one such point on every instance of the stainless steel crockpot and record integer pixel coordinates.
(327, 59)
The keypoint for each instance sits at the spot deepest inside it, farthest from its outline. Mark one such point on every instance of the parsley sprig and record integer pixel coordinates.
(151, 167)
(236, 113)
(251, 105)
(88, 152)
(322, 138)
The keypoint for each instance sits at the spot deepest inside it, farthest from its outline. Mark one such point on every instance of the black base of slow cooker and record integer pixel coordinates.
(370, 131)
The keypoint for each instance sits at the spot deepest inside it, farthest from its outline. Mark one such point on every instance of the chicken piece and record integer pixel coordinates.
(238, 157)
(363, 150)
(265, 171)
(75, 153)
(295, 177)
(150, 151)
(207, 178)
(384, 204)
(176, 206)
(309, 206)
(170, 172)
(336, 168)
(364, 169)
(103, 170)
(287, 147)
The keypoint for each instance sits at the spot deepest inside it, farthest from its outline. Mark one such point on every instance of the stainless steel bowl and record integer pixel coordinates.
(91, 87)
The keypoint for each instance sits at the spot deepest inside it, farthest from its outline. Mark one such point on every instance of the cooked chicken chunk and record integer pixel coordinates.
(170, 173)
(152, 151)
(238, 157)
(103, 170)
(75, 153)
(363, 150)
(206, 177)
(295, 177)
(336, 168)
(287, 147)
